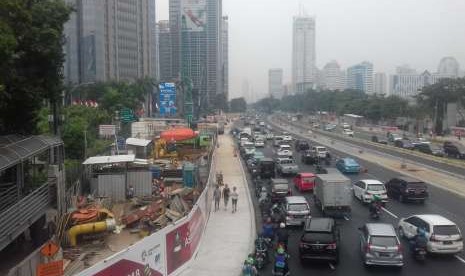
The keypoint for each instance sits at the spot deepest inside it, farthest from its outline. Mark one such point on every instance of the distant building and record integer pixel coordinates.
(360, 77)
(409, 85)
(110, 40)
(275, 83)
(303, 54)
(225, 56)
(405, 70)
(449, 66)
(196, 39)
(332, 77)
(165, 56)
(380, 83)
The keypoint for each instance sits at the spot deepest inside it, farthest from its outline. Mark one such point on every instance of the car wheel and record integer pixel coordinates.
(401, 232)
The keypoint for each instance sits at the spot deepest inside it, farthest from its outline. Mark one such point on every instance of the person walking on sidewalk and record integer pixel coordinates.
(234, 197)
(217, 197)
(226, 192)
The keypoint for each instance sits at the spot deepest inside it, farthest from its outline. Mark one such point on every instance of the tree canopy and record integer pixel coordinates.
(238, 105)
(31, 40)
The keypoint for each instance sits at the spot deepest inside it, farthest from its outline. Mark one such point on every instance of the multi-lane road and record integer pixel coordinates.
(441, 202)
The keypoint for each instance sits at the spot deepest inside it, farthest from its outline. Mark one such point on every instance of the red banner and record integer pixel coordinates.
(130, 268)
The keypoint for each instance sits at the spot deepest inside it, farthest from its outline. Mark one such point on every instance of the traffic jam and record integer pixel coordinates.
(321, 210)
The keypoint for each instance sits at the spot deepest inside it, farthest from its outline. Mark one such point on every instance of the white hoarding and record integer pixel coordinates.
(195, 15)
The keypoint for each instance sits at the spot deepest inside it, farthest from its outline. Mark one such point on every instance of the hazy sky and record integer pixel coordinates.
(386, 32)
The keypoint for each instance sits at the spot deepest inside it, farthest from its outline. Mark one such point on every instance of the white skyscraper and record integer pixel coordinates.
(449, 66)
(333, 78)
(380, 83)
(303, 54)
(275, 83)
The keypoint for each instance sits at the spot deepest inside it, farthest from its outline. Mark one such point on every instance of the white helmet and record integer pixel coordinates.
(263, 189)
(282, 225)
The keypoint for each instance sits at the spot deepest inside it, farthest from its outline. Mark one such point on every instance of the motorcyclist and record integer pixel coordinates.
(249, 268)
(282, 235)
(281, 260)
(419, 240)
(375, 204)
(263, 195)
(267, 229)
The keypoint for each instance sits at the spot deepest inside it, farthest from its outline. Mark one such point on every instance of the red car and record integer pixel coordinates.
(304, 181)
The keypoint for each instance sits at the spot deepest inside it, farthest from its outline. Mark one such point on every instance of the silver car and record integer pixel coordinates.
(379, 245)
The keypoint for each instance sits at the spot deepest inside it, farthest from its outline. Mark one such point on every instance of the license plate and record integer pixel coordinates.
(447, 242)
(384, 254)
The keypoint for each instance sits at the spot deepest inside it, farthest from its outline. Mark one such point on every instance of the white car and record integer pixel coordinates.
(259, 143)
(365, 189)
(287, 138)
(320, 151)
(284, 151)
(348, 132)
(443, 235)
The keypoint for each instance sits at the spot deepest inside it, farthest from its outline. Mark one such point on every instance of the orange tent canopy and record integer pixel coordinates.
(178, 134)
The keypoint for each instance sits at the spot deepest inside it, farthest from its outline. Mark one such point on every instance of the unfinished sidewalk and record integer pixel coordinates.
(228, 236)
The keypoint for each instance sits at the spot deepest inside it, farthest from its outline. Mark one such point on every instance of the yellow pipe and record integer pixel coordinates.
(94, 227)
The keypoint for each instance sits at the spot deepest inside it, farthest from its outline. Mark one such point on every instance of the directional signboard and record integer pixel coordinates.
(127, 115)
(167, 99)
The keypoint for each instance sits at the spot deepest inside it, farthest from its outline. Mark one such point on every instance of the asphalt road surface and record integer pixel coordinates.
(441, 202)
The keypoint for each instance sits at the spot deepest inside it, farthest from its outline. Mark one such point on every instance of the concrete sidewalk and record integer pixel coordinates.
(228, 236)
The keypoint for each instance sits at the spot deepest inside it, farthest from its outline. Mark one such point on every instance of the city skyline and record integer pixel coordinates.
(364, 27)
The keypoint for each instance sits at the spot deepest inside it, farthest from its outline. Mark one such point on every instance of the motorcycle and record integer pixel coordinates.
(419, 253)
(375, 212)
(280, 269)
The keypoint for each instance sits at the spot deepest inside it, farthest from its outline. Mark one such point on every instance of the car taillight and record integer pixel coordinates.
(368, 248)
(399, 248)
(289, 192)
(331, 246)
(302, 245)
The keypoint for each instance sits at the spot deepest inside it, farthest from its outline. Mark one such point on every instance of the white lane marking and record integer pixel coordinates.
(390, 213)
(459, 258)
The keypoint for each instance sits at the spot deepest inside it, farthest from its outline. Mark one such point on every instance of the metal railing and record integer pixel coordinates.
(18, 217)
(8, 195)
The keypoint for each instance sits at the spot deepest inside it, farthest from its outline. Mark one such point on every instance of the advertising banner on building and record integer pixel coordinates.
(194, 15)
(145, 258)
(167, 99)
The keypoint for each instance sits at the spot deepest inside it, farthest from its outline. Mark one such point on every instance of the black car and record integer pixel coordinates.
(454, 150)
(266, 168)
(407, 188)
(320, 240)
(404, 143)
(309, 157)
(301, 145)
(429, 149)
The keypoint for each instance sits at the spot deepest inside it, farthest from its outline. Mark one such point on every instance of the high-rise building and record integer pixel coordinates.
(332, 77)
(360, 77)
(380, 83)
(110, 40)
(196, 38)
(303, 54)
(275, 83)
(405, 70)
(165, 54)
(449, 66)
(407, 86)
(225, 56)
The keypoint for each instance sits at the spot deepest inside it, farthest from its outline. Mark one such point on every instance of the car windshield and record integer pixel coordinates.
(375, 187)
(281, 186)
(307, 179)
(320, 149)
(445, 230)
(320, 237)
(416, 185)
(350, 162)
(383, 241)
(298, 207)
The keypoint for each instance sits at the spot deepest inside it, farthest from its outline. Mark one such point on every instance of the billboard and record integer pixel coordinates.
(194, 14)
(167, 99)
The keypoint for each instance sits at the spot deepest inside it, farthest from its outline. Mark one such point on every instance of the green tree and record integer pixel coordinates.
(31, 44)
(238, 105)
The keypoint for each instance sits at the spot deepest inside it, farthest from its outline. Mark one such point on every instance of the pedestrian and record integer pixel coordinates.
(234, 197)
(217, 197)
(226, 192)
